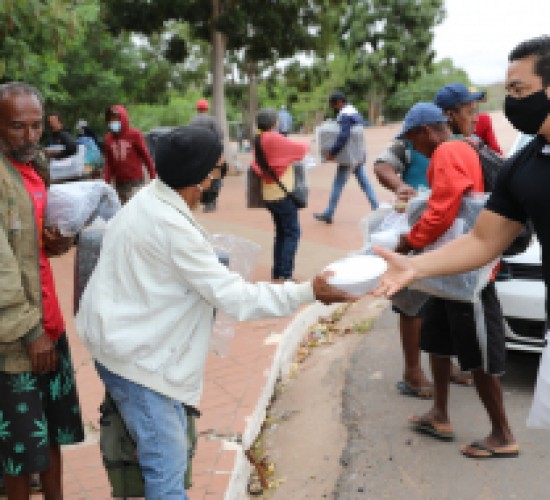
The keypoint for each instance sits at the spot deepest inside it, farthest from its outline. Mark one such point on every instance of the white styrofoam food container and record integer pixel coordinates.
(357, 274)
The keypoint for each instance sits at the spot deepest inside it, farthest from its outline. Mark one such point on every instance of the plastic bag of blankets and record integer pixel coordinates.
(462, 287)
(73, 205)
(88, 249)
(354, 151)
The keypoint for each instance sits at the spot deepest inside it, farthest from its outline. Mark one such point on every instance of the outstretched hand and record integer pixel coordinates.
(399, 274)
(327, 294)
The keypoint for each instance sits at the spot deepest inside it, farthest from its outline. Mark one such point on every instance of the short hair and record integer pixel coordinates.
(266, 118)
(540, 48)
(19, 88)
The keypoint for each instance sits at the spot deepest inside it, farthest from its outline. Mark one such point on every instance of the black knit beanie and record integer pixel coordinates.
(186, 155)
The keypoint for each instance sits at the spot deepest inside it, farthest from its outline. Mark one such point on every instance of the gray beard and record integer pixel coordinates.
(24, 154)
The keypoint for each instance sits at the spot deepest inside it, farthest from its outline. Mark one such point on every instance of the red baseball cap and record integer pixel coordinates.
(202, 104)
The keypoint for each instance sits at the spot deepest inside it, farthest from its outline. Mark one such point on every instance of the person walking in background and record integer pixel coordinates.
(39, 407)
(285, 121)
(347, 117)
(59, 136)
(83, 130)
(279, 153)
(203, 119)
(125, 153)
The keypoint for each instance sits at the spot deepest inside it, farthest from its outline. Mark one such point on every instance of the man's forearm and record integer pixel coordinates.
(387, 176)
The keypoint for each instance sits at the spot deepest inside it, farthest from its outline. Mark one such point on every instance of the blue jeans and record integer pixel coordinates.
(340, 179)
(158, 426)
(287, 235)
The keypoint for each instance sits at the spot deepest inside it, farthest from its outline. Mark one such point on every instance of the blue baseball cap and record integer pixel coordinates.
(454, 94)
(422, 113)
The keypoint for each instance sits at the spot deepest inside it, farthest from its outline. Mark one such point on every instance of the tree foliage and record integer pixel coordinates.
(424, 87)
(388, 43)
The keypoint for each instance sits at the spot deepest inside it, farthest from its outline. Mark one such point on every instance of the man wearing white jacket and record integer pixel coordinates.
(147, 312)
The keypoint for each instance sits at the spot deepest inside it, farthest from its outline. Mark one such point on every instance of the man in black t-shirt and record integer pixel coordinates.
(521, 193)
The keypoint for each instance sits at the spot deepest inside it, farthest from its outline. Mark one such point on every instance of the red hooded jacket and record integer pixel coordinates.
(126, 152)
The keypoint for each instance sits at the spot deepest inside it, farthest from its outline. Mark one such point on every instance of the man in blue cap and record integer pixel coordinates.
(402, 169)
(460, 106)
(347, 117)
(449, 327)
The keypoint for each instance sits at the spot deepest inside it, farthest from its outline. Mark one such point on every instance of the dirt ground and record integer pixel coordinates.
(304, 442)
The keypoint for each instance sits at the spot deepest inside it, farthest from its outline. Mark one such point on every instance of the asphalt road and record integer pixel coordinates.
(383, 458)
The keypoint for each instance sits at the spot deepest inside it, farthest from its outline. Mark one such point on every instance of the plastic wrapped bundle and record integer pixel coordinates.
(70, 167)
(87, 255)
(470, 208)
(354, 151)
(466, 286)
(73, 205)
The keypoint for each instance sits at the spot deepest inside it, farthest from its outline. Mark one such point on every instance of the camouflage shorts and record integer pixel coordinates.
(37, 411)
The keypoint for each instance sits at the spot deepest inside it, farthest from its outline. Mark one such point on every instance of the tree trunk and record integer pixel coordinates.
(375, 100)
(218, 74)
(251, 71)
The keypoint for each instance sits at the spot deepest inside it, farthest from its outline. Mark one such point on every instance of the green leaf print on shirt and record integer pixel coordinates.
(23, 382)
(4, 424)
(41, 432)
(11, 468)
(65, 436)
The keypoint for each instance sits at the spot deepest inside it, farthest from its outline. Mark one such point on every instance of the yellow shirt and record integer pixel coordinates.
(272, 191)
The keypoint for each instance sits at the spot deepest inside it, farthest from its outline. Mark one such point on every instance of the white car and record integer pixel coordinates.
(522, 293)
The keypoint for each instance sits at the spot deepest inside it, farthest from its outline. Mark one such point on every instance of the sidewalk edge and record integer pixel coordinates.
(282, 361)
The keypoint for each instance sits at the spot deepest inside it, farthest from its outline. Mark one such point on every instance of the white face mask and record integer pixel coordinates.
(115, 126)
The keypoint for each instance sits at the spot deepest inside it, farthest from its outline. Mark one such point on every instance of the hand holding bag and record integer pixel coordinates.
(300, 192)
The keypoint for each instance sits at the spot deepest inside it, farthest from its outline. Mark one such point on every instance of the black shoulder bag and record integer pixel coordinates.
(299, 194)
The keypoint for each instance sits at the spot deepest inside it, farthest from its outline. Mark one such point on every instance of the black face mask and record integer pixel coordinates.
(210, 195)
(527, 114)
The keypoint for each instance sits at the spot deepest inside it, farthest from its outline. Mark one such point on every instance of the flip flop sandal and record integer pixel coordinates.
(462, 378)
(417, 392)
(428, 428)
(477, 449)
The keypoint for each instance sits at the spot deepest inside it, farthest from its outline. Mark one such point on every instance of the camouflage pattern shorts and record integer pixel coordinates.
(36, 412)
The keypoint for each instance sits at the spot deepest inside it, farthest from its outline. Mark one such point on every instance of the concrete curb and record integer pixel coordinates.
(288, 342)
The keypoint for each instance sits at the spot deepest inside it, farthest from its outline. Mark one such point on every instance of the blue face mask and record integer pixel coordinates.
(115, 126)
(415, 173)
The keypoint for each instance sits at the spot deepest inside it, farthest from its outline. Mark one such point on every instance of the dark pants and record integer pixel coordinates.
(287, 235)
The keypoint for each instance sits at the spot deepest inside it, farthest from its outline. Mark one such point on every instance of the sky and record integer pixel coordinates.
(478, 34)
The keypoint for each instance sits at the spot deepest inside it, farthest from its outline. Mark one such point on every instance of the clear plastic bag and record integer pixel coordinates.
(242, 255)
(88, 249)
(539, 415)
(70, 167)
(73, 205)
(464, 287)
(383, 225)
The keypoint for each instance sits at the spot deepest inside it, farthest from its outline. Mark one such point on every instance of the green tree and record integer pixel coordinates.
(259, 34)
(424, 87)
(387, 42)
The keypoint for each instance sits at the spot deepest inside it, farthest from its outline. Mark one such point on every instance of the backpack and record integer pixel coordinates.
(118, 451)
(491, 163)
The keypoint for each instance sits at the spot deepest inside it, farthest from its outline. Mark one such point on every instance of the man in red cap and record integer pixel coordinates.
(203, 119)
